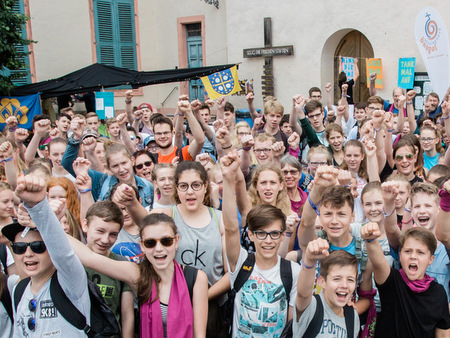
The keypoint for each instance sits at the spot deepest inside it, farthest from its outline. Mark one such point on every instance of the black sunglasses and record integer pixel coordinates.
(141, 165)
(19, 248)
(165, 241)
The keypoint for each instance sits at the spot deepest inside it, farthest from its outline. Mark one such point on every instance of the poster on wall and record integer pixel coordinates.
(104, 104)
(406, 67)
(375, 66)
(348, 67)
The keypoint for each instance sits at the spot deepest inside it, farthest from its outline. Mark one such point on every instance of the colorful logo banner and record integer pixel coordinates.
(406, 68)
(375, 66)
(432, 40)
(24, 108)
(222, 83)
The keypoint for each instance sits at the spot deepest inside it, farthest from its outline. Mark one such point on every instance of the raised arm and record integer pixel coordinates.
(247, 143)
(128, 107)
(315, 251)
(298, 102)
(83, 183)
(443, 219)
(230, 166)
(372, 163)
(329, 99)
(372, 88)
(325, 177)
(125, 195)
(393, 233)
(377, 122)
(220, 113)
(195, 105)
(196, 145)
(401, 115)
(410, 110)
(122, 121)
(89, 144)
(40, 128)
(6, 153)
(381, 269)
(356, 73)
(251, 105)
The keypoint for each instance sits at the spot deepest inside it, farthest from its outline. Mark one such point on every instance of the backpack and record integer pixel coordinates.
(5, 298)
(103, 321)
(315, 325)
(242, 277)
(3, 256)
(190, 274)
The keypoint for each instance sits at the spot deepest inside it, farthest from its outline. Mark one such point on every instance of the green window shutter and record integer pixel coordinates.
(115, 33)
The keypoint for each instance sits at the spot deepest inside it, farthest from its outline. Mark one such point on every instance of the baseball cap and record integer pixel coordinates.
(145, 105)
(11, 230)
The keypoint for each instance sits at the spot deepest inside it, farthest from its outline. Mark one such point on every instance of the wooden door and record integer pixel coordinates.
(356, 45)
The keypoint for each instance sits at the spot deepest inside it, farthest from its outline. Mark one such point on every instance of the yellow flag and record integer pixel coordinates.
(222, 83)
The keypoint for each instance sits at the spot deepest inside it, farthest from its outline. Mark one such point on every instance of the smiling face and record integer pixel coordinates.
(6, 203)
(433, 101)
(163, 135)
(338, 286)
(424, 210)
(147, 167)
(291, 176)
(336, 140)
(353, 158)
(190, 199)
(360, 114)
(121, 166)
(415, 257)
(428, 140)
(263, 151)
(36, 266)
(405, 159)
(100, 235)
(336, 221)
(267, 248)
(56, 153)
(268, 186)
(160, 256)
(63, 124)
(373, 205)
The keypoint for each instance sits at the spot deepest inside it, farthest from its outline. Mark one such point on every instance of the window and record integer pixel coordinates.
(115, 33)
(19, 8)
(195, 58)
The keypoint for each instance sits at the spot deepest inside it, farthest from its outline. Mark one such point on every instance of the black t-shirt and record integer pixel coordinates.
(405, 313)
(350, 83)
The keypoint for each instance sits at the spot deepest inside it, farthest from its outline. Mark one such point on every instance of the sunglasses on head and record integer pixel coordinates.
(150, 243)
(19, 248)
(400, 157)
(141, 165)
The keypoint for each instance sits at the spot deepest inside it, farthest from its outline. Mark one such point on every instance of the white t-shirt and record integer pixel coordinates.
(332, 324)
(260, 306)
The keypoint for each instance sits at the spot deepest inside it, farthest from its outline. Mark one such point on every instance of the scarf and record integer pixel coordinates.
(391, 109)
(369, 328)
(180, 316)
(445, 200)
(418, 285)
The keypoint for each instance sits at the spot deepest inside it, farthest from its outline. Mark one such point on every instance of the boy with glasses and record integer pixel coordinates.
(41, 253)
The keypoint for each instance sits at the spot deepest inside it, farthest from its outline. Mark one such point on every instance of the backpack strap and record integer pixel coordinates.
(244, 273)
(3, 256)
(349, 314)
(106, 189)
(315, 324)
(213, 212)
(190, 274)
(286, 277)
(19, 290)
(64, 305)
(6, 299)
(359, 253)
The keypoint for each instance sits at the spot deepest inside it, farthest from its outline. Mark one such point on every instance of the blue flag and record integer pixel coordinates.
(22, 107)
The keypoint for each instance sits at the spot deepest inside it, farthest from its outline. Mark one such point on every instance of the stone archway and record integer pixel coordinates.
(354, 44)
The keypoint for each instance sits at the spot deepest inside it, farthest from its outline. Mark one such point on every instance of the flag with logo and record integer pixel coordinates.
(22, 107)
(222, 83)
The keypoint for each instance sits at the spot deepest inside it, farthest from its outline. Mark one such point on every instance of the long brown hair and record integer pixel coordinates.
(362, 172)
(72, 199)
(148, 276)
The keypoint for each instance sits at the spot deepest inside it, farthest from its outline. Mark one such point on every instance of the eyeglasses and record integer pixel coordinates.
(139, 166)
(259, 151)
(19, 248)
(316, 164)
(427, 139)
(153, 147)
(32, 320)
(262, 235)
(290, 172)
(150, 243)
(314, 116)
(196, 186)
(165, 133)
(400, 157)
(372, 108)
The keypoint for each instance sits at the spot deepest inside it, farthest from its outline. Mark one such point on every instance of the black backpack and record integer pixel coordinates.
(190, 274)
(5, 298)
(3, 257)
(244, 274)
(103, 321)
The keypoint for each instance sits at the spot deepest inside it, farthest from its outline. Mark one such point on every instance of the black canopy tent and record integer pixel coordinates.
(97, 76)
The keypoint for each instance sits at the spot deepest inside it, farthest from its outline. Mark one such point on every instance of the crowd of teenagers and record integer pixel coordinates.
(328, 221)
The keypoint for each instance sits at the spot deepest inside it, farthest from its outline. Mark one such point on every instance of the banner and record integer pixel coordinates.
(348, 67)
(104, 105)
(375, 66)
(432, 40)
(406, 68)
(222, 83)
(22, 107)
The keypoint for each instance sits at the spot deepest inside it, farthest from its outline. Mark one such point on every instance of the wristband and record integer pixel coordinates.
(314, 206)
(409, 103)
(225, 148)
(370, 240)
(390, 130)
(179, 114)
(406, 209)
(84, 190)
(246, 148)
(346, 186)
(6, 159)
(288, 234)
(127, 101)
(309, 267)
(12, 129)
(376, 129)
(403, 222)
(387, 215)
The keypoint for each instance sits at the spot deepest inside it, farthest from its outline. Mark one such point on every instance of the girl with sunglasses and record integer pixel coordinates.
(143, 164)
(405, 158)
(166, 309)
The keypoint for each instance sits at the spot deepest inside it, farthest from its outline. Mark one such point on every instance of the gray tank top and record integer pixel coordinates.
(201, 248)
